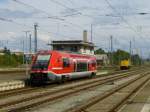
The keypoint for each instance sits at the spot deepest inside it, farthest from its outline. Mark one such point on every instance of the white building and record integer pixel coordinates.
(102, 59)
(78, 46)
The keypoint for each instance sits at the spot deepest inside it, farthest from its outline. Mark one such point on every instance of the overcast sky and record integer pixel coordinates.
(125, 20)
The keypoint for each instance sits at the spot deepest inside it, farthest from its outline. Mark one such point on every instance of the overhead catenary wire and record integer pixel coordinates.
(40, 10)
(71, 2)
(125, 21)
(53, 17)
(74, 25)
(60, 4)
(31, 27)
(12, 21)
(72, 9)
(36, 9)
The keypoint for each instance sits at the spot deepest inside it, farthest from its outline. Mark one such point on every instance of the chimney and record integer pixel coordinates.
(85, 35)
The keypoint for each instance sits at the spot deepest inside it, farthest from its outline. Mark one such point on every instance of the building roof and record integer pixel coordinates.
(72, 42)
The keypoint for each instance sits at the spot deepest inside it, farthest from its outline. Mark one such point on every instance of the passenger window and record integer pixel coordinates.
(82, 66)
(66, 62)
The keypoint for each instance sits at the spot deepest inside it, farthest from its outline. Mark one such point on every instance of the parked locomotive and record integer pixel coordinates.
(125, 64)
(60, 66)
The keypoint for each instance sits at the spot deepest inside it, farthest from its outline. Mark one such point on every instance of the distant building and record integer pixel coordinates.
(102, 59)
(79, 46)
(74, 46)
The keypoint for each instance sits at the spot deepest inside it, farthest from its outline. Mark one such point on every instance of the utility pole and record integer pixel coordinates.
(23, 50)
(35, 35)
(141, 61)
(30, 46)
(91, 33)
(26, 32)
(111, 48)
(111, 43)
(130, 52)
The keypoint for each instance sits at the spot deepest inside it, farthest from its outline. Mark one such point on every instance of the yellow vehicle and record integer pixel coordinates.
(125, 64)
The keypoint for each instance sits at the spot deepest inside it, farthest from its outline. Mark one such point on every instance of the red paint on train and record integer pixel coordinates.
(59, 66)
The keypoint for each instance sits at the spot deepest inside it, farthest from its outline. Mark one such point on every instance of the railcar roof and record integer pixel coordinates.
(72, 54)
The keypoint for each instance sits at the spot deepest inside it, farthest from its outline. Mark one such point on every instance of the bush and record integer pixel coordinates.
(10, 60)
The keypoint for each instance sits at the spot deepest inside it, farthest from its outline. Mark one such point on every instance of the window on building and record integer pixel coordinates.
(66, 62)
(91, 50)
(59, 47)
(82, 66)
(74, 49)
(84, 50)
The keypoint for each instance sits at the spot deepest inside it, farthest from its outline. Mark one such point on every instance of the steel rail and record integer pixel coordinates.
(99, 98)
(50, 96)
(28, 89)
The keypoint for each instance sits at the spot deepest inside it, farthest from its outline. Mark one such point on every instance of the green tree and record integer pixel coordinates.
(6, 51)
(100, 51)
(136, 60)
(10, 60)
(118, 56)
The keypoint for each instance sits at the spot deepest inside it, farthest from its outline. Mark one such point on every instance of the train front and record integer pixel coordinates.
(39, 68)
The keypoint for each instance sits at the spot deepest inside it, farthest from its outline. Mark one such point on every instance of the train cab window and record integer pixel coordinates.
(41, 61)
(66, 62)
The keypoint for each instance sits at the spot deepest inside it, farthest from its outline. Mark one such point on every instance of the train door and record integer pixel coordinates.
(88, 63)
(75, 66)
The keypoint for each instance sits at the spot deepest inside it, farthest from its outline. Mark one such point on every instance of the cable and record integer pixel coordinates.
(31, 27)
(71, 2)
(11, 21)
(60, 4)
(125, 21)
(72, 14)
(55, 17)
(51, 17)
(73, 10)
(137, 33)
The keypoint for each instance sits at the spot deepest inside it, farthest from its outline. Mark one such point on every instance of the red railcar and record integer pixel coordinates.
(60, 66)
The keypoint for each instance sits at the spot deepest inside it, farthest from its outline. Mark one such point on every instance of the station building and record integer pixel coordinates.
(78, 46)
(102, 59)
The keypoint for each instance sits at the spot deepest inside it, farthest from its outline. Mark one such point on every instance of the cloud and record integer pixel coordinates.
(105, 21)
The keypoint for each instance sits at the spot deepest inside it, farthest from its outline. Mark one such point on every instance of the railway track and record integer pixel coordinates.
(113, 100)
(28, 89)
(31, 100)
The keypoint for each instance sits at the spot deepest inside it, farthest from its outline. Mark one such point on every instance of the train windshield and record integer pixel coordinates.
(41, 62)
(43, 58)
